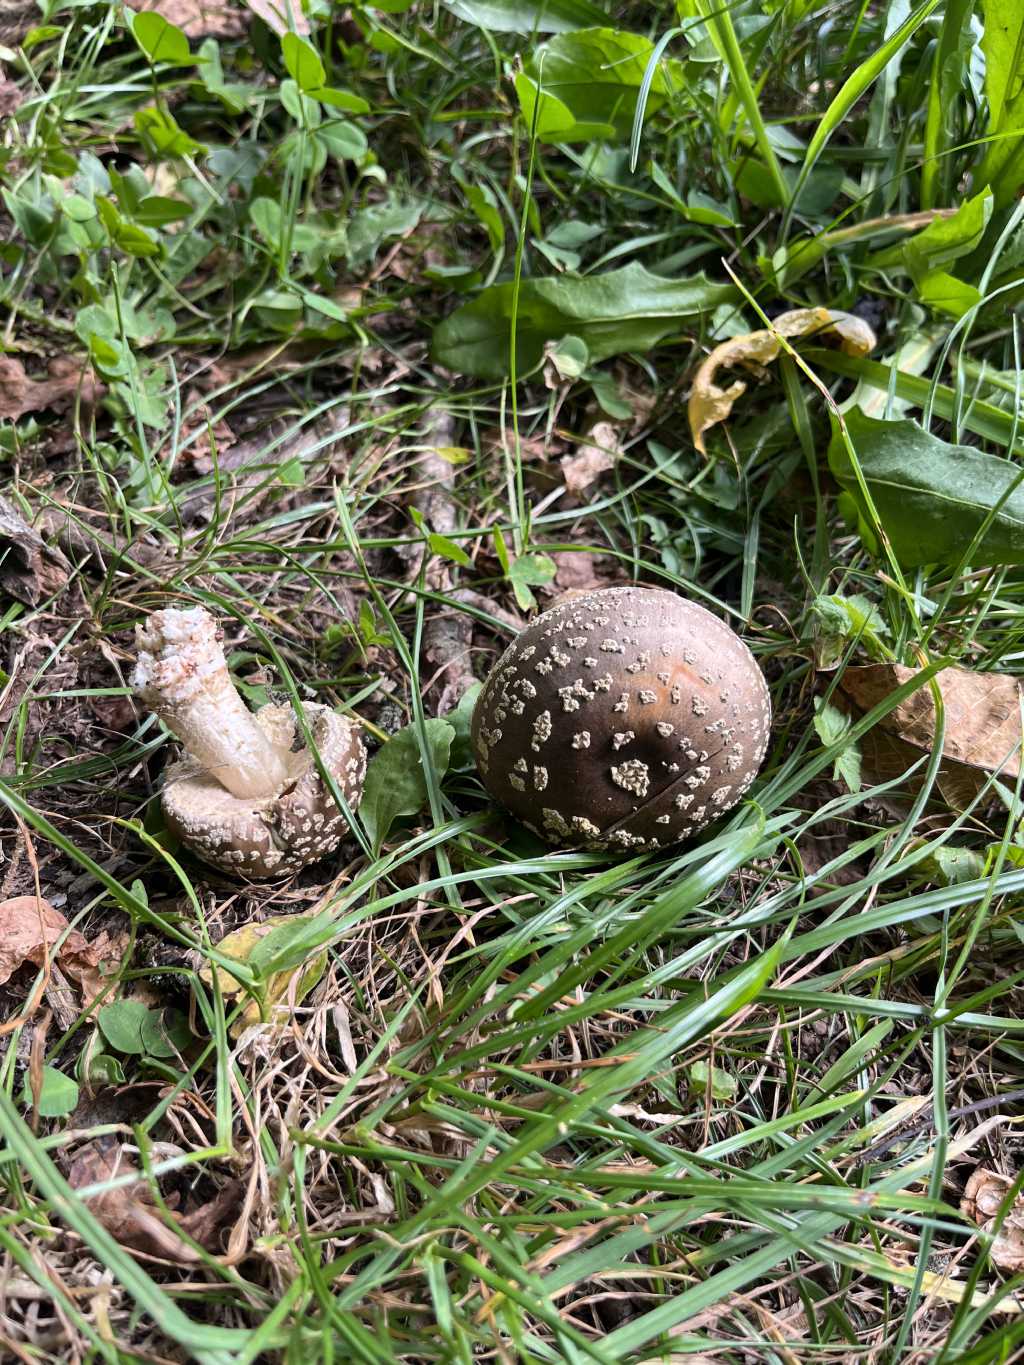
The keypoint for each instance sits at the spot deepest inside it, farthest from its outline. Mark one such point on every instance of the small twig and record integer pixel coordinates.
(925, 1125)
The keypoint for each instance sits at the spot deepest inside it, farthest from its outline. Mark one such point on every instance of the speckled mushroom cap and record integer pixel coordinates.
(626, 718)
(274, 835)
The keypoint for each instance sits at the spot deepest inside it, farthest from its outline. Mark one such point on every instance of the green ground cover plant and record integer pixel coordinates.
(373, 329)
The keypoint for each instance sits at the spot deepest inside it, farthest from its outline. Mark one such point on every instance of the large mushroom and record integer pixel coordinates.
(246, 797)
(626, 718)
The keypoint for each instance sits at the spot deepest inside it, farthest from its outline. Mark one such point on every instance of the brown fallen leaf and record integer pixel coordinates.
(982, 730)
(30, 570)
(29, 930)
(280, 15)
(94, 968)
(130, 1214)
(709, 404)
(200, 18)
(574, 572)
(201, 438)
(593, 457)
(68, 378)
(11, 98)
(982, 713)
(982, 1199)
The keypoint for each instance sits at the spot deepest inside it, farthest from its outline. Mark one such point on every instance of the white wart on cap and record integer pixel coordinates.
(626, 718)
(248, 796)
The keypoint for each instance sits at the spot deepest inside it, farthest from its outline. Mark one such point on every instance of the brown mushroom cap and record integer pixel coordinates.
(274, 835)
(625, 718)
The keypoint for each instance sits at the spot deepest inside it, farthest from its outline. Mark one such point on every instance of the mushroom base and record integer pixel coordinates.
(274, 835)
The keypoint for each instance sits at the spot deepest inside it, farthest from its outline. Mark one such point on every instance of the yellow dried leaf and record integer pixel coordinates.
(269, 1000)
(710, 404)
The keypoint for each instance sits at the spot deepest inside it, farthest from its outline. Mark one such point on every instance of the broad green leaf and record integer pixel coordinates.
(527, 16)
(320, 303)
(163, 132)
(569, 356)
(342, 140)
(952, 865)
(461, 720)
(303, 62)
(449, 549)
(704, 1078)
(596, 74)
(303, 108)
(123, 1024)
(341, 99)
(165, 1033)
(161, 41)
(482, 201)
(265, 215)
(837, 620)
(396, 784)
(831, 725)
(932, 497)
(550, 119)
(1003, 45)
(984, 419)
(530, 571)
(370, 227)
(628, 309)
(942, 242)
(58, 1093)
(136, 241)
(946, 294)
(157, 209)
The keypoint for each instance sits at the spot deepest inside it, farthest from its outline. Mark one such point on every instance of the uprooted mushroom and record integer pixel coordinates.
(248, 796)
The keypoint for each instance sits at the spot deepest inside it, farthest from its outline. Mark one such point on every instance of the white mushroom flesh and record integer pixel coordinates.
(182, 675)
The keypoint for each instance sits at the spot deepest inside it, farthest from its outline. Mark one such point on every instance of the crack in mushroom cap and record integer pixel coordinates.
(626, 718)
(275, 835)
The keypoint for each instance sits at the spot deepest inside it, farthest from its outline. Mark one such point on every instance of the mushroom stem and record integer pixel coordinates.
(182, 675)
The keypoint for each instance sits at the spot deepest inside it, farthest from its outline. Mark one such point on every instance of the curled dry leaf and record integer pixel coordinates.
(69, 379)
(709, 404)
(130, 1213)
(30, 570)
(982, 1200)
(29, 930)
(593, 457)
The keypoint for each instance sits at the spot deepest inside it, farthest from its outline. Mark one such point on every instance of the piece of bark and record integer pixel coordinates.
(30, 570)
